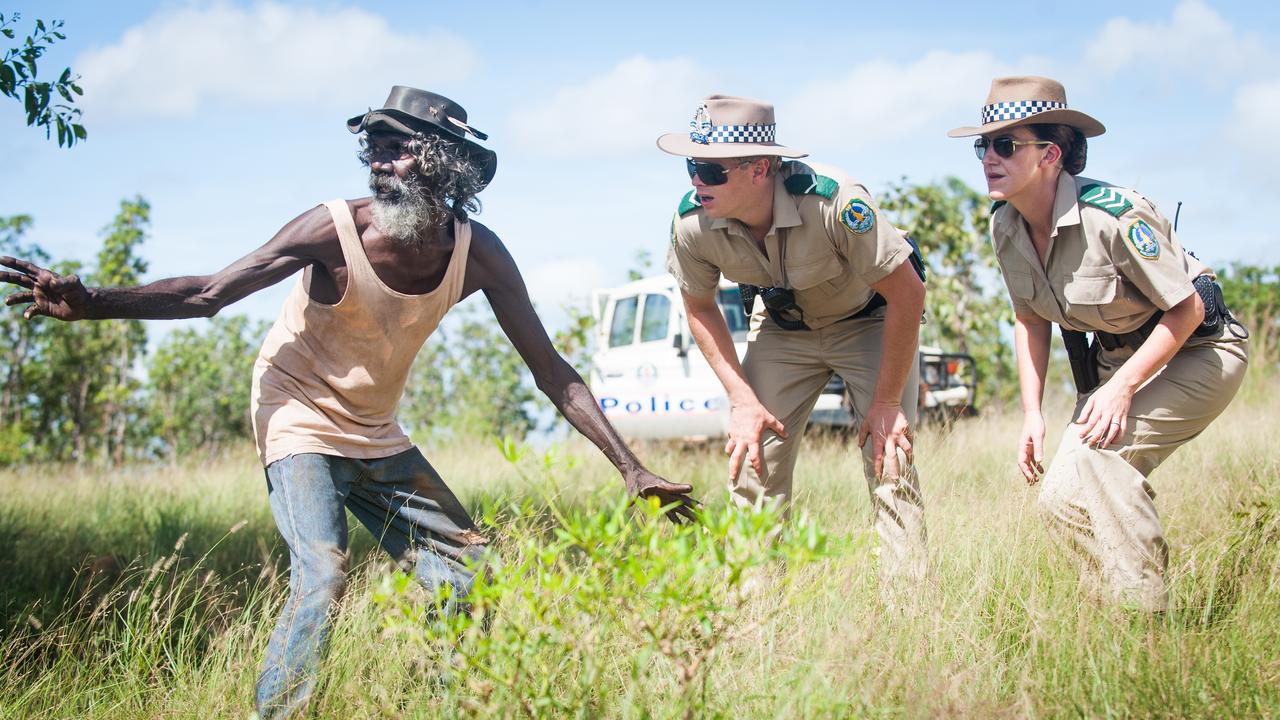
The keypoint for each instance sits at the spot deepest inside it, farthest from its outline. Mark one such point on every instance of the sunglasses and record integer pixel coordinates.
(709, 173)
(1004, 146)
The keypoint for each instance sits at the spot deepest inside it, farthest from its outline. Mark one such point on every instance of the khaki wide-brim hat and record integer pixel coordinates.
(725, 126)
(1025, 100)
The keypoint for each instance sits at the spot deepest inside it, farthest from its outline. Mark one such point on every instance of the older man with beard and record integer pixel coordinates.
(378, 274)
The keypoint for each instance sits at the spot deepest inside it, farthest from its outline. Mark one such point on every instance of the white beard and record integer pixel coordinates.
(403, 216)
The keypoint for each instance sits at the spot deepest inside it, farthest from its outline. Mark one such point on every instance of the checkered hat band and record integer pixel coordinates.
(1018, 109)
(735, 134)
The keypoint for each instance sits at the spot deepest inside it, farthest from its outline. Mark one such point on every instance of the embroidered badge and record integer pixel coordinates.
(858, 216)
(673, 232)
(700, 125)
(1144, 240)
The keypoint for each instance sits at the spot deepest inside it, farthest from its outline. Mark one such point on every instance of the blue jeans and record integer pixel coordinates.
(402, 501)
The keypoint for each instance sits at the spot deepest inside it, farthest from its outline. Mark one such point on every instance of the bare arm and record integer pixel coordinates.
(297, 245)
(505, 289)
(1031, 337)
(903, 292)
(886, 423)
(711, 333)
(748, 418)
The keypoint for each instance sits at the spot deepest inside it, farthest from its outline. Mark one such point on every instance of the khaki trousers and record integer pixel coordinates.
(1098, 501)
(787, 369)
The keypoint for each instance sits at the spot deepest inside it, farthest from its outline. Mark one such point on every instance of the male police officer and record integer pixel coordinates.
(838, 292)
(378, 274)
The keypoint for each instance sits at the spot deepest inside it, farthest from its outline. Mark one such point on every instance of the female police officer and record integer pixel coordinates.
(1097, 258)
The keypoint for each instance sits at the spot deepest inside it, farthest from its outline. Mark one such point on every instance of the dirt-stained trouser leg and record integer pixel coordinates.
(1098, 502)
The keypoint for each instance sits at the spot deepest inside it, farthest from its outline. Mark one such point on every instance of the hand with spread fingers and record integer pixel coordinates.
(887, 427)
(1105, 415)
(62, 297)
(674, 496)
(746, 424)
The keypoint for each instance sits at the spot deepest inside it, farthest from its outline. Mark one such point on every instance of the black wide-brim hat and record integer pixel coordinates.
(410, 111)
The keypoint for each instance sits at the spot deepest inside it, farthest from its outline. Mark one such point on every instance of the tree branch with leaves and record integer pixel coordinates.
(18, 80)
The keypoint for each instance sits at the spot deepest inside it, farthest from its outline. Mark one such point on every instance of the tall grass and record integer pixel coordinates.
(150, 592)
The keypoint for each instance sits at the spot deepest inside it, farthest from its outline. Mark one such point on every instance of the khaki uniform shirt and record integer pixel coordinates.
(829, 243)
(1113, 259)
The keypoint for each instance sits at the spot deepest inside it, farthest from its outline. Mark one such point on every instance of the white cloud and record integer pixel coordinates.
(185, 58)
(1253, 121)
(624, 110)
(879, 100)
(567, 281)
(1195, 40)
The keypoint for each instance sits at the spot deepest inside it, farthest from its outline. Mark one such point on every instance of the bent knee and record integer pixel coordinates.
(1051, 503)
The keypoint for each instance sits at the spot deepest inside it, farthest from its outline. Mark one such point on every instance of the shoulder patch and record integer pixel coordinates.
(1143, 239)
(858, 216)
(805, 184)
(1107, 198)
(689, 203)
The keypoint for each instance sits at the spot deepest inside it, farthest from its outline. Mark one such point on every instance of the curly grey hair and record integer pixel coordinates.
(442, 187)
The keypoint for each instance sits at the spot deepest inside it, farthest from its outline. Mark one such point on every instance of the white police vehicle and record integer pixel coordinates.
(652, 382)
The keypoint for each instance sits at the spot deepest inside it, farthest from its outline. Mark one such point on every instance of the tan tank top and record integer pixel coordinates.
(329, 377)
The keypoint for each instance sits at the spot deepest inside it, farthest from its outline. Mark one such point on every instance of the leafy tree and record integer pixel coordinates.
(79, 375)
(18, 70)
(63, 382)
(574, 340)
(966, 305)
(120, 342)
(1253, 294)
(643, 266)
(198, 384)
(468, 380)
(19, 341)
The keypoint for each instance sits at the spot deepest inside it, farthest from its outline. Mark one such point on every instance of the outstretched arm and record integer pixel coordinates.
(555, 377)
(65, 298)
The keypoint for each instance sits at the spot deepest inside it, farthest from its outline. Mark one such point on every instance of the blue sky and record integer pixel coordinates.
(229, 116)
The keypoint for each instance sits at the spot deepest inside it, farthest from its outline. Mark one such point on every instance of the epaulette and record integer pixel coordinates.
(806, 184)
(1105, 197)
(689, 203)
(997, 205)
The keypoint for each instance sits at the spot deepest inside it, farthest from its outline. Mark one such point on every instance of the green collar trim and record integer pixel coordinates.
(805, 184)
(689, 203)
(1106, 198)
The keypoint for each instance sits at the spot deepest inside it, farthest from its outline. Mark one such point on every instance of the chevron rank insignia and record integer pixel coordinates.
(1144, 240)
(689, 203)
(804, 184)
(1107, 198)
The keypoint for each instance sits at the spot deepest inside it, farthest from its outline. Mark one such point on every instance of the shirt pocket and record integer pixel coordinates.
(819, 272)
(1022, 285)
(1091, 297)
(746, 271)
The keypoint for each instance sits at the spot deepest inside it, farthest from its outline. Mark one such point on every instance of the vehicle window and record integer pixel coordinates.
(731, 305)
(656, 318)
(622, 330)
